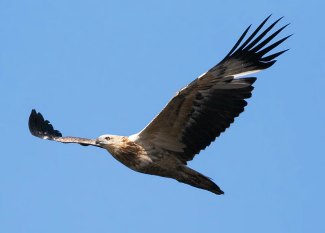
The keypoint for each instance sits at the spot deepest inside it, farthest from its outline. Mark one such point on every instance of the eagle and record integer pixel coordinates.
(192, 119)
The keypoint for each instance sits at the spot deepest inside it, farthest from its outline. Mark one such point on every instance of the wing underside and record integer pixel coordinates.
(205, 108)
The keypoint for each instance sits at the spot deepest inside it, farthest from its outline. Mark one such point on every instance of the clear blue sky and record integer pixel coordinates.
(96, 67)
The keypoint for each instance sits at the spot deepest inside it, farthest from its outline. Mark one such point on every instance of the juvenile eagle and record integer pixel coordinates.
(192, 119)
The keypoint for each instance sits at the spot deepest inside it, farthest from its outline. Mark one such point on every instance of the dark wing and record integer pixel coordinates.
(39, 127)
(205, 108)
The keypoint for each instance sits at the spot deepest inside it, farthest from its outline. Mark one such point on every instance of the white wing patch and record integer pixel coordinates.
(134, 137)
(245, 73)
(202, 75)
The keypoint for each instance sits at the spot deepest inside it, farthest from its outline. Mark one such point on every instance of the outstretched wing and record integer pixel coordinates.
(39, 127)
(205, 108)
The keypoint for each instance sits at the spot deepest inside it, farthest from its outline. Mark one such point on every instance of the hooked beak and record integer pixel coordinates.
(98, 144)
(101, 142)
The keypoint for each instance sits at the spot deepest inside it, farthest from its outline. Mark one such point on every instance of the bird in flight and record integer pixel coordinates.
(192, 119)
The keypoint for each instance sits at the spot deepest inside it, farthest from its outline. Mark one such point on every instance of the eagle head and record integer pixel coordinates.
(109, 142)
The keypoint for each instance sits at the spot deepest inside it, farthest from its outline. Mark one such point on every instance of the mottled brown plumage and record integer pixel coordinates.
(191, 120)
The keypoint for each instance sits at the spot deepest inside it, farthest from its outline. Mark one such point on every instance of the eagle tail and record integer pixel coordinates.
(196, 179)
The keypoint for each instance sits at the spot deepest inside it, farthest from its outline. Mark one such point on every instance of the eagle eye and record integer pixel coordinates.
(107, 138)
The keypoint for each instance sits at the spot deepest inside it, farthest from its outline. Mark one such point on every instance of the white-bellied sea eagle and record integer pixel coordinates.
(192, 119)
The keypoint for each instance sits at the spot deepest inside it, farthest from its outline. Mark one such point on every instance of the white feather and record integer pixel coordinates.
(245, 73)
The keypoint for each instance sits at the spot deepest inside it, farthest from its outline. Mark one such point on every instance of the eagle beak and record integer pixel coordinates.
(100, 142)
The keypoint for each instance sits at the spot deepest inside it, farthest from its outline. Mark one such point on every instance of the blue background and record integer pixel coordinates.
(96, 67)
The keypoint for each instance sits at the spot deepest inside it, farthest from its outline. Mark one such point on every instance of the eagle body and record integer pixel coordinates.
(147, 159)
(192, 119)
